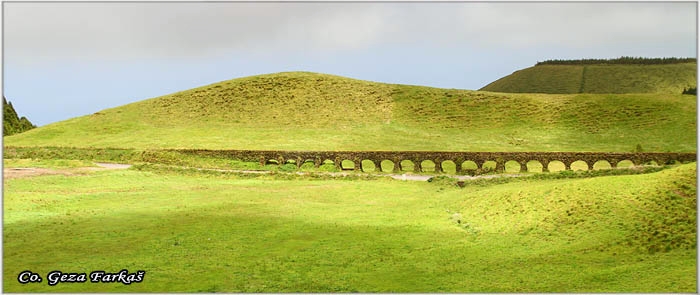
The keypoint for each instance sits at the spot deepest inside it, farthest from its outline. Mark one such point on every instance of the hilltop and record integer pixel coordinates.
(623, 75)
(11, 122)
(311, 111)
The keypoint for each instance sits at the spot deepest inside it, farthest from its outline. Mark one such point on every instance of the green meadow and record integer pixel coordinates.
(223, 232)
(198, 224)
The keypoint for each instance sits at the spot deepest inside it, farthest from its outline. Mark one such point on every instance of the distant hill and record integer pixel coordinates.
(11, 123)
(311, 111)
(623, 75)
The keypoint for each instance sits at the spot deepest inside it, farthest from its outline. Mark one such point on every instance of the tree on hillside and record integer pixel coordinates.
(11, 123)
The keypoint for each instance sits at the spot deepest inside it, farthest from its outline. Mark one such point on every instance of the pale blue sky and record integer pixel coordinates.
(63, 60)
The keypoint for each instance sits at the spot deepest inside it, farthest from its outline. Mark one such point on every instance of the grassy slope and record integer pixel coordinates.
(307, 111)
(229, 234)
(672, 78)
(540, 79)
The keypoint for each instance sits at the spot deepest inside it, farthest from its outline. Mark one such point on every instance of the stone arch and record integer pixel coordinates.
(449, 166)
(626, 163)
(407, 165)
(309, 163)
(578, 165)
(328, 165)
(469, 165)
(556, 165)
(489, 165)
(388, 166)
(534, 166)
(272, 162)
(290, 163)
(651, 163)
(347, 164)
(428, 166)
(513, 166)
(601, 164)
(368, 166)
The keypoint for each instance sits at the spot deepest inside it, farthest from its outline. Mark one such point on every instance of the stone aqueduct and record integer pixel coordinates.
(417, 157)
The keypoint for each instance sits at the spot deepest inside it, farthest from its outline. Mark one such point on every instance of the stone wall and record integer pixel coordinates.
(544, 158)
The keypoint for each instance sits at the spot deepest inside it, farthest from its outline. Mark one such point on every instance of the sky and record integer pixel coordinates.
(63, 60)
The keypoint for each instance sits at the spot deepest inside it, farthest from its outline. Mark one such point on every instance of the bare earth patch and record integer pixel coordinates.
(10, 173)
(113, 165)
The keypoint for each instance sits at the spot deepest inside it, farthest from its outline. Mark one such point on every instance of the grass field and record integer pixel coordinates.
(199, 230)
(209, 232)
(307, 111)
(668, 78)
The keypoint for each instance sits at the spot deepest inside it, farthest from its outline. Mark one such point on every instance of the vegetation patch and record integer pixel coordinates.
(625, 60)
(71, 153)
(46, 163)
(625, 233)
(11, 122)
(280, 174)
(324, 112)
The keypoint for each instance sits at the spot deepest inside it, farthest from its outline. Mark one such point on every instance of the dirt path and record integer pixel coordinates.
(113, 165)
(10, 173)
(459, 177)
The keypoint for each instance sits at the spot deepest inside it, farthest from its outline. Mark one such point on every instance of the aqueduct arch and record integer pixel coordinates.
(458, 158)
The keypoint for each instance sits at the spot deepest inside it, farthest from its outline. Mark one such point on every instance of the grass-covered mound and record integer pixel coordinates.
(599, 78)
(309, 111)
(285, 233)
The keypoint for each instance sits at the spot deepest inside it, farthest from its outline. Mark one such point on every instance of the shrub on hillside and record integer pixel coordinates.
(691, 90)
(11, 123)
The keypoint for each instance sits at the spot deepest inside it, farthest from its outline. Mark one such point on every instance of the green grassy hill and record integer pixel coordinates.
(599, 78)
(309, 111)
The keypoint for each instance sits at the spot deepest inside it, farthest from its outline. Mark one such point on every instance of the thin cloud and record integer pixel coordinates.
(50, 31)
